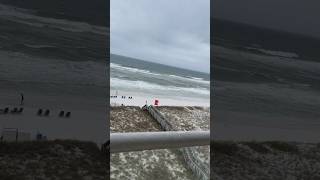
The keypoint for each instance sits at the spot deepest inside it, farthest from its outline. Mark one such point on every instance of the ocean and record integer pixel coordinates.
(59, 65)
(266, 84)
(152, 79)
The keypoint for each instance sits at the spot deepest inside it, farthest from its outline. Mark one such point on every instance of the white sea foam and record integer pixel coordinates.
(193, 79)
(28, 17)
(145, 86)
(131, 69)
(39, 46)
(164, 76)
(20, 67)
(276, 53)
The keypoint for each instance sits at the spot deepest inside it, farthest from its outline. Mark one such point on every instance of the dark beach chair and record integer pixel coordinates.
(68, 114)
(47, 112)
(61, 113)
(39, 112)
(6, 110)
(20, 110)
(15, 110)
(39, 136)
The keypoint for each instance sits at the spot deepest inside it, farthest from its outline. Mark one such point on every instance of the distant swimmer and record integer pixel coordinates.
(22, 99)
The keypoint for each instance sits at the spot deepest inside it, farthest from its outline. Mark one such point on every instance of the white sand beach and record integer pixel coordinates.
(139, 99)
(241, 126)
(87, 120)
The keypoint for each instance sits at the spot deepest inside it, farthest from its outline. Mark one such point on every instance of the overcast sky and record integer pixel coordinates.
(171, 32)
(300, 16)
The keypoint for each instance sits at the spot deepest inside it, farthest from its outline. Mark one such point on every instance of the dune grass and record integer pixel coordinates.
(58, 159)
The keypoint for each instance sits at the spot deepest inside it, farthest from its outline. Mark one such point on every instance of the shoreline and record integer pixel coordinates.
(139, 99)
(87, 121)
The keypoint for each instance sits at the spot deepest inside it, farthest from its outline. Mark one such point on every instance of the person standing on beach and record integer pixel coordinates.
(22, 99)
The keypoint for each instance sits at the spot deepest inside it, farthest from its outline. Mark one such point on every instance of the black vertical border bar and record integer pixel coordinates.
(211, 91)
(108, 90)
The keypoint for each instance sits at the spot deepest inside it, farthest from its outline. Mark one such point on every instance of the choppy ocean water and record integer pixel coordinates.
(147, 78)
(265, 88)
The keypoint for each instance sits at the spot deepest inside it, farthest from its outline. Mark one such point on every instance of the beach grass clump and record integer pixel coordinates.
(265, 160)
(282, 146)
(57, 159)
(42, 147)
(225, 147)
(258, 147)
(131, 119)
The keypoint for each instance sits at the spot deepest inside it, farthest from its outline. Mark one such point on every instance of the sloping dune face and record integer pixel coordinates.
(149, 164)
(265, 160)
(190, 119)
(52, 160)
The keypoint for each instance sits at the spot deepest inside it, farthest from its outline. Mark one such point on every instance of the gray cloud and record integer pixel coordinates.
(172, 32)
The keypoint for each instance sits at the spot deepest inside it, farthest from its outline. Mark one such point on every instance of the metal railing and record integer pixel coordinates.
(200, 169)
(138, 141)
(169, 138)
(165, 124)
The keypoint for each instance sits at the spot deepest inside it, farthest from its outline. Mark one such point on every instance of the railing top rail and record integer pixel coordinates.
(138, 141)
